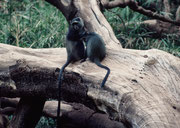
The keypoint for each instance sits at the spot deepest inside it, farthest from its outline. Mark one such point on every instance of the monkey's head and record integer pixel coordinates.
(77, 23)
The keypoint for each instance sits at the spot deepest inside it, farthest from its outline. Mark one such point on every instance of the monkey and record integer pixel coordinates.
(95, 51)
(75, 51)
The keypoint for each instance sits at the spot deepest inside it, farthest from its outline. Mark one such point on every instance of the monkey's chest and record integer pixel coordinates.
(75, 50)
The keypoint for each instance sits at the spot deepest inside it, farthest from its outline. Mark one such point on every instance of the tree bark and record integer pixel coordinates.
(4, 122)
(72, 115)
(28, 112)
(141, 91)
(159, 28)
(94, 20)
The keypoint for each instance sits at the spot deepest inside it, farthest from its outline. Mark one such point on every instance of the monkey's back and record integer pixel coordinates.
(95, 47)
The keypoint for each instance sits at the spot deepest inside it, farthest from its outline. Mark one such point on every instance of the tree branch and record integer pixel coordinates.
(4, 122)
(166, 8)
(65, 6)
(138, 80)
(178, 14)
(71, 114)
(134, 6)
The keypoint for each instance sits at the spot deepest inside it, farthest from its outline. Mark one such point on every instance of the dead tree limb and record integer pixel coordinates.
(135, 7)
(72, 114)
(143, 85)
(28, 112)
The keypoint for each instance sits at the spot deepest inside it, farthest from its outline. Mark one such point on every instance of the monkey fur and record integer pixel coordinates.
(96, 51)
(75, 51)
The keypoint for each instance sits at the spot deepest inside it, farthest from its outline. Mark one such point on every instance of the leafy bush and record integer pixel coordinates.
(45, 122)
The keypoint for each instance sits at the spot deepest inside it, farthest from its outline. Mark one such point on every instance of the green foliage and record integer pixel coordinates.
(36, 24)
(46, 123)
(132, 34)
(31, 23)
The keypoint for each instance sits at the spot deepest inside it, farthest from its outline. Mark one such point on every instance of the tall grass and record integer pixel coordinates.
(36, 24)
(132, 34)
(31, 23)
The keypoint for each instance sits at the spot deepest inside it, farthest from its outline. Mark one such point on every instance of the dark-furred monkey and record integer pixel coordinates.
(75, 51)
(96, 51)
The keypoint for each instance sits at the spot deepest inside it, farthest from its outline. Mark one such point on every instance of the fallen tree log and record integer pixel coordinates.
(4, 122)
(72, 114)
(142, 90)
(157, 28)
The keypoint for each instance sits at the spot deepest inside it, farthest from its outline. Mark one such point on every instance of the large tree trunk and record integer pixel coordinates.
(141, 91)
(94, 20)
(28, 112)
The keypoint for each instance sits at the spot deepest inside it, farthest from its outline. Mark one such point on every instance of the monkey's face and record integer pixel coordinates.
(77, 23)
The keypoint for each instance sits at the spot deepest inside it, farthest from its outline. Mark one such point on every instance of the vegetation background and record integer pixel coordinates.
(37, 24)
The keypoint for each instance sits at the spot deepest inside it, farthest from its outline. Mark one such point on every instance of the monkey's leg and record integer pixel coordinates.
(97, 62)
(85, 56)
(105, 78)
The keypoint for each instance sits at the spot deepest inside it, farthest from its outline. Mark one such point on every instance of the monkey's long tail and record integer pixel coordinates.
(97, 62)
(59, 96)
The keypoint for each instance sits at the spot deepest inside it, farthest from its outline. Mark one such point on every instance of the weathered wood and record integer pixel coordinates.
(72, 115)
(94, 20)
(4, 122)
(142, 90)
(161, 28)
(28, 112)
(42, 82)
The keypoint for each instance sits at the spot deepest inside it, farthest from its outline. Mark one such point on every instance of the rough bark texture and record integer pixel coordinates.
(135, 6)
(160, 28)
(72, 114)
(4, 122)
(94, 20)
(142, 90)
(28, 112)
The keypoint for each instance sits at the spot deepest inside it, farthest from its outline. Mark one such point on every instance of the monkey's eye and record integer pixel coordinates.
(75, 26)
